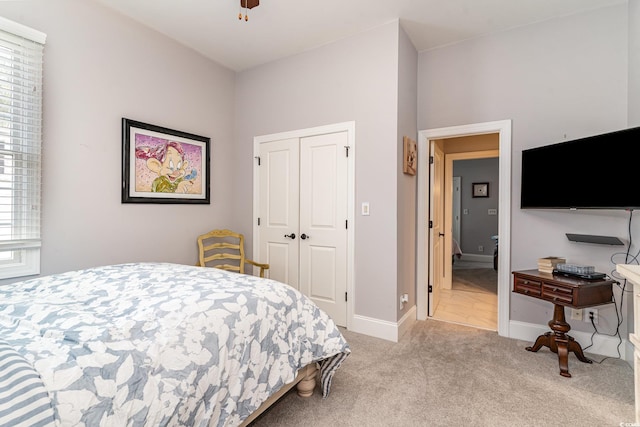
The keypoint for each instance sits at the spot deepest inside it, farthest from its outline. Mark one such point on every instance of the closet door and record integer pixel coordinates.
(323, 227)
(279, 209)
(303, 216)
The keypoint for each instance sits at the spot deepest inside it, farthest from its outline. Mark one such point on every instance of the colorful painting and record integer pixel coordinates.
(163, 165)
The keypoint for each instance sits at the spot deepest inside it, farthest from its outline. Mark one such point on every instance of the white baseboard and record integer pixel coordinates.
(476, 258)
(602, 344)
(391, 331)
(407, 321)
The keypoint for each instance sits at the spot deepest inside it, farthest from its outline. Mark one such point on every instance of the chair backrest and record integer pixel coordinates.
(222, 249)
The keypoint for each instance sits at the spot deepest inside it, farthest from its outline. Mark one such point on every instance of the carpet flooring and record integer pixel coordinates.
(442, 374)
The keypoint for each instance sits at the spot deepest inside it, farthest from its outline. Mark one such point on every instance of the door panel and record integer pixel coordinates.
(278, 256)
(279, 208)
(322, 273)
(323, 215)
(436, 273)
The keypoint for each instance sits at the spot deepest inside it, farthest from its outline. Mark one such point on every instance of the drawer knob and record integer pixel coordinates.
(526, 282)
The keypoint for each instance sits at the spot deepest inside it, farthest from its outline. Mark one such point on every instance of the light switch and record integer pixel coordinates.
(465, 211)
(493, 212)
(365, 208)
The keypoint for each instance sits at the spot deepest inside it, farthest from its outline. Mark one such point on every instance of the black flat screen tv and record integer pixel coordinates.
(597, 172)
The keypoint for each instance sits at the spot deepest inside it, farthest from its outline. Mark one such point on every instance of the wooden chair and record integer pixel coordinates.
(224, 249)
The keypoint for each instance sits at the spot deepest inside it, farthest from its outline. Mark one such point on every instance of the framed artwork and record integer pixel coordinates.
(161, 165)
(480, 189)
(410, 156)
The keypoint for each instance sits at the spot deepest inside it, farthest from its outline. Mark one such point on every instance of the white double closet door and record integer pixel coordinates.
(303, 216)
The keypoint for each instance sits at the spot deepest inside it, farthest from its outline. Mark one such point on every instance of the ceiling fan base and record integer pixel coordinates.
(249, 4)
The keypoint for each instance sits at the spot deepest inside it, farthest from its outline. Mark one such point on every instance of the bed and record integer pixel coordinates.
(151, 344)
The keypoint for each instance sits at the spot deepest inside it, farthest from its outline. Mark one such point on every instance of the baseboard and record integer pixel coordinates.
(390, 331)
(407, 321)
(476, 258)
(602, 345)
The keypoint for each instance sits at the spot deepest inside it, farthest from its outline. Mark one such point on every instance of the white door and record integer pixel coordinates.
(279, 209)
(436, 273)
(323, 227)
(303, 214)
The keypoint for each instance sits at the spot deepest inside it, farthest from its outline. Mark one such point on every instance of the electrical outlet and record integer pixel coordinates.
(480, 248)
(588, 313)
(404, 298)
(576, 313)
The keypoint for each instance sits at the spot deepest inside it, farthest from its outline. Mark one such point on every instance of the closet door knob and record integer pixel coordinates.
(291, 236)
(305, 236)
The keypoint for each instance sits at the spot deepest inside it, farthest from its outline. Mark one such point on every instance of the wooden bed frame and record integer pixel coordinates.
(305, 382)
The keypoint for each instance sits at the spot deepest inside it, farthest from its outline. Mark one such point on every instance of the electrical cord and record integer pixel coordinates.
(617, 333)
(622, 287)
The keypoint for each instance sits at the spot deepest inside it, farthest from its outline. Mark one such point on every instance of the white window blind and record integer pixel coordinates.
(21, 57)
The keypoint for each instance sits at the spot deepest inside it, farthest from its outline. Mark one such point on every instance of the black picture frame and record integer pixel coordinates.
(480, 189)
(162, 165)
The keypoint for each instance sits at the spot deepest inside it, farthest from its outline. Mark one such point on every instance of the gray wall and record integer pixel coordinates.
(559, 79)
(477, 226)
(98, 68)
(634, 63)
(407, 184)
(352, 79)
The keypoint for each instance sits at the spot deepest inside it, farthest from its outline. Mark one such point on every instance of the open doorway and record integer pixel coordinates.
(425, 238)
(471, 296)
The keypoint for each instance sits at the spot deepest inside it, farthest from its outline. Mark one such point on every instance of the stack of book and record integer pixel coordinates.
(548, 264)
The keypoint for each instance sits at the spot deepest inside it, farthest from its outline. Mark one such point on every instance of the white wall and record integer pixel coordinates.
(560, 79)
(352, 79)
(98, 68)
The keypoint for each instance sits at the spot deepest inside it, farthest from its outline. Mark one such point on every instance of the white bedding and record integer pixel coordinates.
(157, 344)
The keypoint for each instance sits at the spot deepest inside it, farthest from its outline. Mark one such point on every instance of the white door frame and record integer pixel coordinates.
(350, 128)
(503, 128)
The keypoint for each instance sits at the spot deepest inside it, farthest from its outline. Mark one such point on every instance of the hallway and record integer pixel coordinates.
(473, 299)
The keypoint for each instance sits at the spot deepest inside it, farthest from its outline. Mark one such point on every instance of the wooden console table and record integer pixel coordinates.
(563, 292)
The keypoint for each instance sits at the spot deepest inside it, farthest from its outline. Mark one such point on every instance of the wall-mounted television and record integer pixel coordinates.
(597, 172)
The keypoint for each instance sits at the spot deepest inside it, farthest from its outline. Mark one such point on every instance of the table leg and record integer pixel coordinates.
(559, 342)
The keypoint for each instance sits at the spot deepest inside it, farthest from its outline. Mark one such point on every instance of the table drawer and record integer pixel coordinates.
(557, 293)
(527, 286)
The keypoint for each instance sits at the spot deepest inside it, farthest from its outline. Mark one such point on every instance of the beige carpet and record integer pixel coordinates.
(475, 280)
(442, 374)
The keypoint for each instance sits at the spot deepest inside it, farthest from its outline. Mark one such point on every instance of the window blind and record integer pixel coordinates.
(21, 63)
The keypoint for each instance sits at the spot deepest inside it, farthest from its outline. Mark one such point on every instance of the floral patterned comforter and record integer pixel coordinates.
(158, 344)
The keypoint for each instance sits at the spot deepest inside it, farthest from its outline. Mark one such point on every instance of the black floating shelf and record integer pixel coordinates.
(590, 238)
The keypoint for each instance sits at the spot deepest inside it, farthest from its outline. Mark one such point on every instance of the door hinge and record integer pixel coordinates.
(257, 157)
(346, 147)
(430, 288)
(430, 224)
(430, 160)
(345, 296)
(258, 221)
(346, 224)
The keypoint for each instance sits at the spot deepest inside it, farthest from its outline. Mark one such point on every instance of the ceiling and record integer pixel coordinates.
(280, 28)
